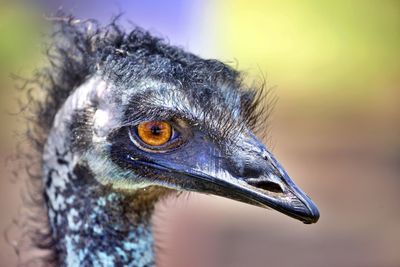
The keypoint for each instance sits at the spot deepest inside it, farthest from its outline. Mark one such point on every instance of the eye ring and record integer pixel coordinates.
(155, 136)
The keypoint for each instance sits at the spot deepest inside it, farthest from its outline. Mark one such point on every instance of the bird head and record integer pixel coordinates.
(159, 116)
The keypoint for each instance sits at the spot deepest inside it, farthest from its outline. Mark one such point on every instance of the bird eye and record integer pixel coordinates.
(154, 133)
(159, 136)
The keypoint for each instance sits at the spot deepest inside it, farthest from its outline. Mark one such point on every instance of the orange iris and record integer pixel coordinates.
(154, 133)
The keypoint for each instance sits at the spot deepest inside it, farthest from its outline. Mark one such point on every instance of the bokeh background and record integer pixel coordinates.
(335, 67)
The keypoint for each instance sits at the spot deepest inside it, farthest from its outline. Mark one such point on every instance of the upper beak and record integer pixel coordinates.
(270, 187)
(276, 191)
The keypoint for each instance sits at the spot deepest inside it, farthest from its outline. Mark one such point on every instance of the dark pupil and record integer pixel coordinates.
(155, 130)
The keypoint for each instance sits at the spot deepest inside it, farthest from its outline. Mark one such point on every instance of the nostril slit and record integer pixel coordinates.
(267, 185)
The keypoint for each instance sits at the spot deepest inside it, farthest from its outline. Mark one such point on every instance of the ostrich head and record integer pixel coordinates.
(133, 115)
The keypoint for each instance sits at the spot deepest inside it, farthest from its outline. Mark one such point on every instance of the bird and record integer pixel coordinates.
(128, 119)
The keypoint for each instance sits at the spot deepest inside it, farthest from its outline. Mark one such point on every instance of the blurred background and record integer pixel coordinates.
(335, 67)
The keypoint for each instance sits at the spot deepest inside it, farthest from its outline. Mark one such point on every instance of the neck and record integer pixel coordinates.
(95, 226)
(91, 224)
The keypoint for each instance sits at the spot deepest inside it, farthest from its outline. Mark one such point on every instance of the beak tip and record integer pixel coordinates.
(312, 215)
(313, 218)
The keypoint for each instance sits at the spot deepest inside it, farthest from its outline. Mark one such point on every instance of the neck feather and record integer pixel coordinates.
(92, 225)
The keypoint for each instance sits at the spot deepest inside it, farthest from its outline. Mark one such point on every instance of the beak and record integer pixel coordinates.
(275, 191)
(273, 188)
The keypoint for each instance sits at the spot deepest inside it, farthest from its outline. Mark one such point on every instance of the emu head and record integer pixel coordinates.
(153, 115)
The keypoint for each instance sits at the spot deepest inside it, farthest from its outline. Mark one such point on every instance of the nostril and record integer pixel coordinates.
(266, 185)
(251, 172)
